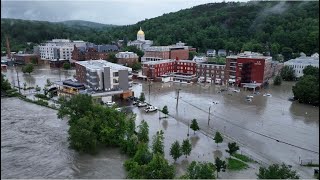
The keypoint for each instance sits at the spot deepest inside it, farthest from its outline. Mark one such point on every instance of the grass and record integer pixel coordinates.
(236, 165)
(243, 158)
(311, 165)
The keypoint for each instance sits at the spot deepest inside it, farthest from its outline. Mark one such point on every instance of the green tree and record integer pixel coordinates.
(5, 85)
(287, 53)
(175, 150)
(192, 54)
(233, 148)
(132, 145)
(306, 90)
(112, 57)
(28, 68)
(186, 147)
(143, 132)
(159, 168)
(165, 110)
(142, 97)
(218, 138)
(157, 143)
(66, 66)
(220, 165)
(276, 171)
(136, 66)
(311, 70)
(34, 60)
(199, 170)
(143, 156)
(38, 89)
(194, 125)
(287, 73)
(277, 80)
(135, 50)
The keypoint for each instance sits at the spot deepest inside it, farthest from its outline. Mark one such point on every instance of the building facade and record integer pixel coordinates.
(127, 58)
(154, 69)
(300, 63)
(211, 53)
(248, 67)
(212, 73)
(92, 52)
(58, 49)
(176, 51)
(26, 58)
(103, 75)
(141, 43)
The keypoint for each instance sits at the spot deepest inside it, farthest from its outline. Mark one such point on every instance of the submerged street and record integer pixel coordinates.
(268, 129)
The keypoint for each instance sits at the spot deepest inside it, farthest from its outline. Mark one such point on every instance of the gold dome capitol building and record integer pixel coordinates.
(141, 43)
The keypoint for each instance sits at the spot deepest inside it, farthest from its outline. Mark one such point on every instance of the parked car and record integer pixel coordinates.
(267, 94)
(236, 90)
(150, 109)
(142, 104)
(135, 103)
(110, 103)
(249, 96)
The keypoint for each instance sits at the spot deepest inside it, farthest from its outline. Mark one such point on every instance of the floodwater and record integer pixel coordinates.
(269, 129)
(34, 145)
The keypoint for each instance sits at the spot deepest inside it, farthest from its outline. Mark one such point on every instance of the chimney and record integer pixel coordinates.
(8, 48)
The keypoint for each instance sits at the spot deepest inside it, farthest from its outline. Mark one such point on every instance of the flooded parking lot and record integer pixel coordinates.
(270, 129)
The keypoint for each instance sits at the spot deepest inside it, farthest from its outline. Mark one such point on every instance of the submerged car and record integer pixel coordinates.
(142, 104)
(151, 109)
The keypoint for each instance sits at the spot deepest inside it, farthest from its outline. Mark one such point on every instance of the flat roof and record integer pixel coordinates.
(304, 60)
(158, 62)
(99, 64)
(188, 61)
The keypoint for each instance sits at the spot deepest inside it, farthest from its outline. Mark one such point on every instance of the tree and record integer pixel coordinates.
(157, 143)
(192, 54)
(49, 83)
(233, 148)
(159, 168)
(112, 57)
(135, 50)
(186, 147)
(142, 97)
(200, 170)
(27, 68)
(194, 126)
(287, 53)
(165, 110)
(143, 155)
(311, 70)
(131, 145)
(277, 80)
(306, 90)
(24, 86)
(34, 60)
(175, 150)
(277, 172)
(220, 165)
(143, 132)
(287, 73)
(5, 85)
(136, 66)
(66, 66)
(38, 88)
(218, 138)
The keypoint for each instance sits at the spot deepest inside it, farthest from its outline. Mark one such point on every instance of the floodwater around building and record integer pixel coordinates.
(269, 129)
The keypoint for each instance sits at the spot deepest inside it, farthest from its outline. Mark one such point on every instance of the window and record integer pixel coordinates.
(115, 74)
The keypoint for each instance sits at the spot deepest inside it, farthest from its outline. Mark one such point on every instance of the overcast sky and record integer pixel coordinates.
(118, 12)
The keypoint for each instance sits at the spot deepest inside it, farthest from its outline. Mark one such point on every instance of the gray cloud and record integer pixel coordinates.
(119, 12)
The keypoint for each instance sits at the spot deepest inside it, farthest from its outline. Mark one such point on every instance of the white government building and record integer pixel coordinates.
(58, 49)
(141, 43)
(301, 62)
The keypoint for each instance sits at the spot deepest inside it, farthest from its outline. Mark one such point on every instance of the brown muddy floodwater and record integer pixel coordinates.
(34, 145)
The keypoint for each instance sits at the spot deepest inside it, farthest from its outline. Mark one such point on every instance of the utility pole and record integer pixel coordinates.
(209, 115)
(178, 97)
(18, 81)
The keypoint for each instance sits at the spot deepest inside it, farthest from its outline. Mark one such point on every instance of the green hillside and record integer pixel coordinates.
(279, 27)
(80, 23)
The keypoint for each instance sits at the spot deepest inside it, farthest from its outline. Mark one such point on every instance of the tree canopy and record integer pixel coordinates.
(200, 170)
(277, 171)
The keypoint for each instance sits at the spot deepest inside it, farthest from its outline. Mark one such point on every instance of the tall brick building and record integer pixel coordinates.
(248, 67)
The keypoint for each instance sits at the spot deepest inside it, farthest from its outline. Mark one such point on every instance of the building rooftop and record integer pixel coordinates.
(99, 64)
(158, 62)
(25, 55)
(187, 61)
(249, 54)
(304, 60)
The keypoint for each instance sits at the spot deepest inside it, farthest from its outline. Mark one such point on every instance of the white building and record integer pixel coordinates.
(103, 75)
(140, 43)
(58, 49)
(211, 53)
(300, 63)
(200, 59)
(126, 55)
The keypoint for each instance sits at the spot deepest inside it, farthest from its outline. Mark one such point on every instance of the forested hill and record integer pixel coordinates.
(258, 26)
(236, 26)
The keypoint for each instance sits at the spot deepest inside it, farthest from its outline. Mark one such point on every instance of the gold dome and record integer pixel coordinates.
(140, 32)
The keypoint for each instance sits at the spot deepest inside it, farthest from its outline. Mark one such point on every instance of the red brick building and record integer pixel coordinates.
(212, 73)
(167, 52)
(26, 58)
(154, 69)
(94, 52)
(179, 54)
(249, 68)
(127, 58)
